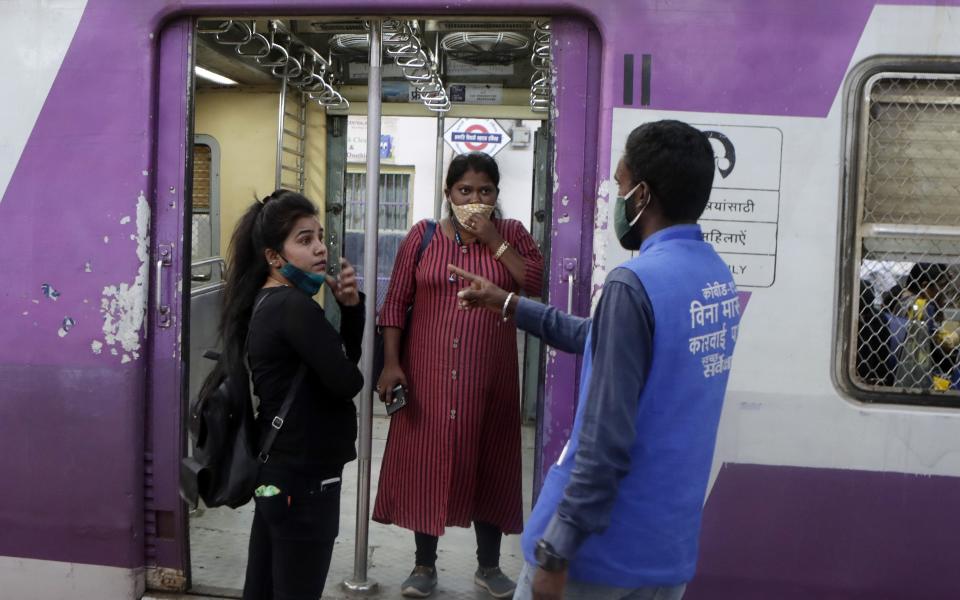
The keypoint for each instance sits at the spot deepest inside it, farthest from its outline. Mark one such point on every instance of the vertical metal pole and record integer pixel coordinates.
(302, 146)
(438, 170)
(360, 583)
(280, 120)
(441, 129)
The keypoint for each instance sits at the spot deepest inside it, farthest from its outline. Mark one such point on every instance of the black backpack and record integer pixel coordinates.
(223, 467)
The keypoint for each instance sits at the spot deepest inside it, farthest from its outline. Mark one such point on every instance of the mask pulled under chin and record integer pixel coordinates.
(464, 211)
(310, 283)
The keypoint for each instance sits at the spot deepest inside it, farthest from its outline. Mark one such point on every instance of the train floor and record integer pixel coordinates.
(218, 543)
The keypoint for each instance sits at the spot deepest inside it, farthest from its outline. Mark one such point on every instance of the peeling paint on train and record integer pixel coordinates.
(124, 305)
(601, 221)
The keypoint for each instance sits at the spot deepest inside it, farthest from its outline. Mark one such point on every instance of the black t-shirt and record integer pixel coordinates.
(287, 329)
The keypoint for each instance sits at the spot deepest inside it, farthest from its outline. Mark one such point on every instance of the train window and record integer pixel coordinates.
(205, 210)
(394, 221)
(904, 300)
(202, 230)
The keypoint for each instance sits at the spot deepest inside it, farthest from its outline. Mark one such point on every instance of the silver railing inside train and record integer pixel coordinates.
(280, 53)
(419, 65)
(361, 583)
(541, 81)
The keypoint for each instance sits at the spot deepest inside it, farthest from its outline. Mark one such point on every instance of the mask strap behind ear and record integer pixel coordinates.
(639, 209)
(630, 193)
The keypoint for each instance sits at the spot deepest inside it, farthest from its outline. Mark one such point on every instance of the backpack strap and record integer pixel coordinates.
(425, 241)
(246, 345)
(277, 422)
(428, 232)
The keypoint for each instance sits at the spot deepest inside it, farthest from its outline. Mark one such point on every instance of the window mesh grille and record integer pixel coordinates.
(906, 323)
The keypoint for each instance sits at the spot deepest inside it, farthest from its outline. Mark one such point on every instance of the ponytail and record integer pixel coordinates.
(264, 225)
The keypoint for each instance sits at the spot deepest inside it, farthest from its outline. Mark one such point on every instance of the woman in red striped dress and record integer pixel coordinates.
(453, 452)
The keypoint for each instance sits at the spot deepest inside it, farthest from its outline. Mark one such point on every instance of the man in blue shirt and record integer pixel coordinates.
(619, 514)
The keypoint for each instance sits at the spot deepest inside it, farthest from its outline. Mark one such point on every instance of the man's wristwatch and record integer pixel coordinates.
(547, 558)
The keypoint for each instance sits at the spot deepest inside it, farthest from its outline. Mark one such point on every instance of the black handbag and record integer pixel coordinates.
(378, 350)
(223, 467)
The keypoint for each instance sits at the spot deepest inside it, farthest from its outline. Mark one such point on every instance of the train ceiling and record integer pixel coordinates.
(473, 50)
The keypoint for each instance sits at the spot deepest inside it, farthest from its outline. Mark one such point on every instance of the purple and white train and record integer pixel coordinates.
(837, 130)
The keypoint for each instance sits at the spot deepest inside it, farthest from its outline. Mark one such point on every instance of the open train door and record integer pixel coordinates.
(540, 217)
(165, 515)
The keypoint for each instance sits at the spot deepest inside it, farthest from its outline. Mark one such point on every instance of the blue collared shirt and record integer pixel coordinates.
(621, 347)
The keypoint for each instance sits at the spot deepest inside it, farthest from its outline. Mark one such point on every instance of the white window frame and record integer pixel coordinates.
(854, 231)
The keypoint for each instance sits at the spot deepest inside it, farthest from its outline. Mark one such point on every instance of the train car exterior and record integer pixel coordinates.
(825, 485)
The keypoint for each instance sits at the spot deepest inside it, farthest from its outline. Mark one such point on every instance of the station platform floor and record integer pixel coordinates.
(218, 543)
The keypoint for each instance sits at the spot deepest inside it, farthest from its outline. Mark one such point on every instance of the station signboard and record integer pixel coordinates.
(476, 135)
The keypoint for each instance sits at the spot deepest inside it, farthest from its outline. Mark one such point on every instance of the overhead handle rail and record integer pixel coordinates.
(282, 54)
(419, 65)
(541, 82)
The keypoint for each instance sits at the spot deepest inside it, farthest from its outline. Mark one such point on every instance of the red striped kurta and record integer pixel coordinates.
(453, 453)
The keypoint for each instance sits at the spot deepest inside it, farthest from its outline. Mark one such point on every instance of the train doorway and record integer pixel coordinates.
(255, 127)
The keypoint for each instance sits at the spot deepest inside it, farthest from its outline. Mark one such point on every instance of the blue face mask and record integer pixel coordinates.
(302, 280)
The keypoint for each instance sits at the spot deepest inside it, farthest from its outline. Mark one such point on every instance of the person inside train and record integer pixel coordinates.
(277, 263)
(914, 317)
(453, 452)
(619, 513)
(873, 340)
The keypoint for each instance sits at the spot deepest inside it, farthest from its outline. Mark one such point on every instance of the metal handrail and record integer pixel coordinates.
(213, 260)
(419, 66)
(259, 38)
(282, 54)
(203, 262)
(360, 583)
(541, 81)
(906, 230)
(245, 32)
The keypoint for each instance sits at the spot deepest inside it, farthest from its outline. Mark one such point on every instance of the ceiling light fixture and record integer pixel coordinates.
(214, 77)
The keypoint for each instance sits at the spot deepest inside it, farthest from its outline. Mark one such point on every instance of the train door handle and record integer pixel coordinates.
(165, 252)
(570, 267)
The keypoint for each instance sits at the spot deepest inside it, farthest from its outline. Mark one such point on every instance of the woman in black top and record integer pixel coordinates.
(278, 261)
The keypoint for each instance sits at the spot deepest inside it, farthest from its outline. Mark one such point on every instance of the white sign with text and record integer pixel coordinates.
(476, 135)
(742, 217)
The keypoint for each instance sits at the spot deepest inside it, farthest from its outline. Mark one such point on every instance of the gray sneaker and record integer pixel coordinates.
(421, 582)
(495, 582)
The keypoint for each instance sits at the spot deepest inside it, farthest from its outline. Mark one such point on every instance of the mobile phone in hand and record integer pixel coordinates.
(399, 400)
(333, 266)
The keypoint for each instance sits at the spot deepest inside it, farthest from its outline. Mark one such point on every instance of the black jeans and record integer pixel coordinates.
(488, 546)
(293, 532)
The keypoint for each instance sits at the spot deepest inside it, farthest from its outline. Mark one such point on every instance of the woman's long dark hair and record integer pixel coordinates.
(264, 225)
